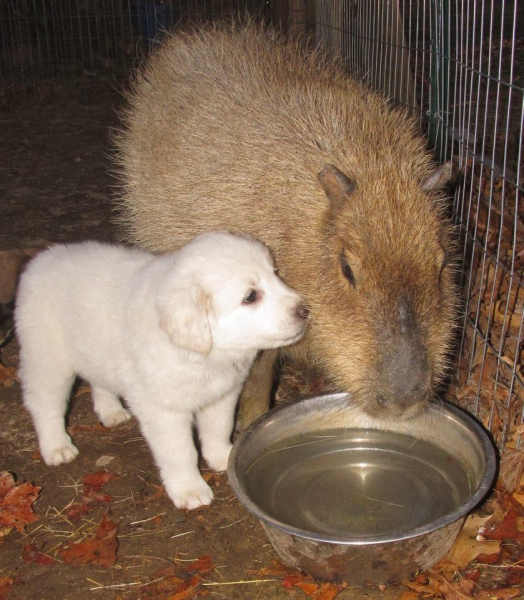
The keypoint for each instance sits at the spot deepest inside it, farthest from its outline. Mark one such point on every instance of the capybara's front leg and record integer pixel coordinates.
(255, 399)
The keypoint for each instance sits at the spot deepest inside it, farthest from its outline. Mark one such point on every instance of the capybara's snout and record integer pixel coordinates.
(405, 381)
(405, 370)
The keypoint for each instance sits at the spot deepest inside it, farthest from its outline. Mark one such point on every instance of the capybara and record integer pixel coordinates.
(232, 126)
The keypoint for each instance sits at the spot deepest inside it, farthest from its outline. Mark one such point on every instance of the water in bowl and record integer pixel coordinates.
(356, 482)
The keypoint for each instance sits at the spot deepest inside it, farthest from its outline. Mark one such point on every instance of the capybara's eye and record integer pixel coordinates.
(346, 269)
(251, 297)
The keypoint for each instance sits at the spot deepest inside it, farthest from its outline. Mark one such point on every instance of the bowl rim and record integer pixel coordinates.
(330, 398)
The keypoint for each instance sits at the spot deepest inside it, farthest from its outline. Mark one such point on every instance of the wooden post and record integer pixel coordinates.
(297, 17)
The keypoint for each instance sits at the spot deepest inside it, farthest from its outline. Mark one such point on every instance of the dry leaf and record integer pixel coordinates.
(308, 586)
(105, 460)
(98, 550)
(467, 547)
(511, 470)
(15, 504)
(186, 589)
(519, 495)
(290, 581)
(508, 529)
(31, 554)
(6, 583)
(461, 590)
(91, 494)
(200, 565)
(277, 570)
(329, 591)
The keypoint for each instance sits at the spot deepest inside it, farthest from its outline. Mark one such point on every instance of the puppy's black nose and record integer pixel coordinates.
(302, 312)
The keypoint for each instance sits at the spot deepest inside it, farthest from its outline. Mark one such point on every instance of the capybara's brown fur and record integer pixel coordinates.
(232, 127)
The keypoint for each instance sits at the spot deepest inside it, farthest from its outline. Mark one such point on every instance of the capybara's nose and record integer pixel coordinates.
(302, 312)
(407, 371)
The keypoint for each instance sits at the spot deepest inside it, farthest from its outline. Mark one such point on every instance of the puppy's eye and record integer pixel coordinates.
(347, 271)
(251, 297)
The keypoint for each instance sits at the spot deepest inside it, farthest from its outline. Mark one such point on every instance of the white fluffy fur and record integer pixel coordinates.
(171, 334)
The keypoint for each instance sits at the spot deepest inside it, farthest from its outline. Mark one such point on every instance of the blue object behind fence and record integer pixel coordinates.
(151, 17)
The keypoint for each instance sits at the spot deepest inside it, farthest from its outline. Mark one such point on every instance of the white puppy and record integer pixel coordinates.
(174, 335)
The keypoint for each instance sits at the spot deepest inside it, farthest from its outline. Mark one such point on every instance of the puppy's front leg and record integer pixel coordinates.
(169, 436)
(215, 425)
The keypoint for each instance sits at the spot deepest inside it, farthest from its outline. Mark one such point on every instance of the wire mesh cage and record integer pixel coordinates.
(458, 66)
(45, 41)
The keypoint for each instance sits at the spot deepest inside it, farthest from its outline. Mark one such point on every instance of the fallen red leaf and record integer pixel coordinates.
(309, 587)
(31, 554)
(91, 494)
(277, 570)
(329, 591)
(323, 591)
(99, 550)
(423, 583)
(514, 577)
(186, 589)
(200, 565)
(15, 504)
(290, 581)
(488, 559)
(508, 529)
(97, 480)
(6, 583)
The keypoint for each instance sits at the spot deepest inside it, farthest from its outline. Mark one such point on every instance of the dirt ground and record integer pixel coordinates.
(55, 186)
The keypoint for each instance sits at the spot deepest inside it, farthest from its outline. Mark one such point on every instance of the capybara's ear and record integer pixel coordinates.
(439, 178)
(338, 187)
(184, 316)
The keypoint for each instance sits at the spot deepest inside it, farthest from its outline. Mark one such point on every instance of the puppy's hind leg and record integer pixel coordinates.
(108, 407)
(46, 391)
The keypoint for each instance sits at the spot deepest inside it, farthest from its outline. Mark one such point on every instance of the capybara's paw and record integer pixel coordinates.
(115, 417)
(59, 454)
(191, 495)
(217, 457)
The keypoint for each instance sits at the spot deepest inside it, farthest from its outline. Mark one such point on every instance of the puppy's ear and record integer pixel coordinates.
(183, 315)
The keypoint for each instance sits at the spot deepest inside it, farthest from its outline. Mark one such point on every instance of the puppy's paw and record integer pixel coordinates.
(190, 496)
(58, 455)
(114, 418)
(217, 457)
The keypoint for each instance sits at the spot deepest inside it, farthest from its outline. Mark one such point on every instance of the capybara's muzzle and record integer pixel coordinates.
(405, 374)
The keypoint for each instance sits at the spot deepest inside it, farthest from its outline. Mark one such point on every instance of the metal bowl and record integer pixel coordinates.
(345, 497)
